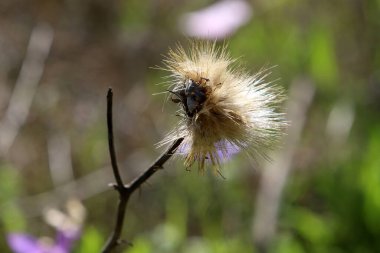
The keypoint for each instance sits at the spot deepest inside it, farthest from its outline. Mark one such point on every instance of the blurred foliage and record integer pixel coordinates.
(332, 200)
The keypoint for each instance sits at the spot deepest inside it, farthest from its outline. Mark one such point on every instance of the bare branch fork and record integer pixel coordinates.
(125, 191)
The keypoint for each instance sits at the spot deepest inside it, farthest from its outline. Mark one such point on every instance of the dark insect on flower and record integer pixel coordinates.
(225, 108)
(192, 96)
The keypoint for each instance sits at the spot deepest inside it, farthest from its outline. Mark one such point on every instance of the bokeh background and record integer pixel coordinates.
(321, 192)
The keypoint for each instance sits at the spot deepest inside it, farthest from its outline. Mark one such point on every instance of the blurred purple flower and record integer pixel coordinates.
(217, 21)
(23, 243)
(68, 227)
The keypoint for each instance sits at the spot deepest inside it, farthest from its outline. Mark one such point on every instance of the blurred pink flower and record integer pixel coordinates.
(218, 20)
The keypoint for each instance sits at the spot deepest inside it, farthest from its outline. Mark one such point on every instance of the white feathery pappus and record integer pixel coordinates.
(224, 109)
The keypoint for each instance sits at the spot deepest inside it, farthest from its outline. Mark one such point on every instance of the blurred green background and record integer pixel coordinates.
(330, 201)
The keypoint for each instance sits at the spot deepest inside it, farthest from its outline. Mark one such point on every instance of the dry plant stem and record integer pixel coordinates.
(125, 191)
(276, 174)
(31, 72)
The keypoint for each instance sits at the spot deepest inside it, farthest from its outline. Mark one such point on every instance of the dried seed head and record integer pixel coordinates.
(223, 109)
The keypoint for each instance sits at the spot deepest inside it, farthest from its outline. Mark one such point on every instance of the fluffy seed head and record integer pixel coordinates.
(223, 109)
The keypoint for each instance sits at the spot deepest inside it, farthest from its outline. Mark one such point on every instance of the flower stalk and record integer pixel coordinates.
(126, 190)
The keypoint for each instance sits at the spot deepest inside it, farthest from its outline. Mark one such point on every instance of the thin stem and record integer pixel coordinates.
(111, 145)
(158, 164)
(125, 191)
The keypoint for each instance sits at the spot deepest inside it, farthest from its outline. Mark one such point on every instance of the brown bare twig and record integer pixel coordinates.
(125, 191)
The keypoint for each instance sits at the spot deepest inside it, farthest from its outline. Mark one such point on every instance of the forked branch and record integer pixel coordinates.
(125, 191)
